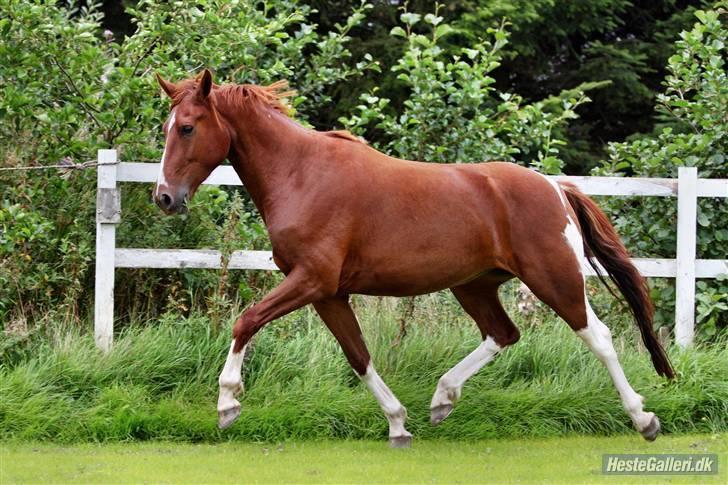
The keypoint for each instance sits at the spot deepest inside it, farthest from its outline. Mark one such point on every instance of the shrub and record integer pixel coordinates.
(693, 111)
(453, 113)
(70, 89)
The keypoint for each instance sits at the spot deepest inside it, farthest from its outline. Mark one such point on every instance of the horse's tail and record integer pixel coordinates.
(602, 242)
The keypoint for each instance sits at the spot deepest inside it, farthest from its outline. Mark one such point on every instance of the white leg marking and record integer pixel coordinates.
(160, 178)
(231, 382)
(451, 383)
(599, 339)
(393, 409)
(527, 301)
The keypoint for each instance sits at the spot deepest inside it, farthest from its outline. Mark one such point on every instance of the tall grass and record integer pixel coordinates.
(160, 382)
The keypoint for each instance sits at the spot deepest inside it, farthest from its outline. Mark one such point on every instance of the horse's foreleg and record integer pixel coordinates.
(297, 290)
(231, 384)
(340, 319)
(479, 299)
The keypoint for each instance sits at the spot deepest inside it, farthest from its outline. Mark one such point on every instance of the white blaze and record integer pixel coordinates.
(160, 178)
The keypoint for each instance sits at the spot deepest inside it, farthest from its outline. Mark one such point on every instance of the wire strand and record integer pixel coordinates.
(66, 166)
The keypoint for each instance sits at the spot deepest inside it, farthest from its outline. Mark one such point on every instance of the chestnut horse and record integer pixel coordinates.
(344, 218)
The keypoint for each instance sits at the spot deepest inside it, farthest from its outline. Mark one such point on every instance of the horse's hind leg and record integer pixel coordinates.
(559, 282)
(340, 319)
(479, 299)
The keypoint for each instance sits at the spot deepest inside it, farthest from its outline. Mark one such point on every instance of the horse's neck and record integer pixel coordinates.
(268, 151)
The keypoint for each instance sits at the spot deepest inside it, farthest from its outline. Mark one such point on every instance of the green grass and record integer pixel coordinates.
(160, 383)
(560, 460)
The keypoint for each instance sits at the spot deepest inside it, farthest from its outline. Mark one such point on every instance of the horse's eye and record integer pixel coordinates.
(186, 129)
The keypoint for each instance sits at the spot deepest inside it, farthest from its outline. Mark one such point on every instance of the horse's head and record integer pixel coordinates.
(197, 141)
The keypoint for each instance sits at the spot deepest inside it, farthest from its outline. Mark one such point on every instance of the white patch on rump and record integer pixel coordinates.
(556, 188)
(160, 178)
(573, 237)
(571, 231)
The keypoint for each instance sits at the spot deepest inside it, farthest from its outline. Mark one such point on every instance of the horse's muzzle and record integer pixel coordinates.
(171, 204)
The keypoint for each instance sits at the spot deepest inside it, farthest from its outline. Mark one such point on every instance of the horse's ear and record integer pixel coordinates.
(205, 84)
(167, 86)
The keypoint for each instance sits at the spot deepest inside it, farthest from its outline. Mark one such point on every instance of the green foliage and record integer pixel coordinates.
(557, 45)
(42, 259)
(70, 89)
(160, 382)
(60, 72)
(693, 109)
(453, 113)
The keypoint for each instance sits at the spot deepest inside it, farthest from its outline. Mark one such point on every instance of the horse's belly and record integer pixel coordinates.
(404, 273)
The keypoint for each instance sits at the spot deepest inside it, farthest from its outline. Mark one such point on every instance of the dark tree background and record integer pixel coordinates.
(554, 46)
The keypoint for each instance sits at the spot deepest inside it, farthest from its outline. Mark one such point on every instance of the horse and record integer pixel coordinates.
(344, 218)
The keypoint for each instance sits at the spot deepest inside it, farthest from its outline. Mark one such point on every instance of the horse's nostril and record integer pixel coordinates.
(166, 200)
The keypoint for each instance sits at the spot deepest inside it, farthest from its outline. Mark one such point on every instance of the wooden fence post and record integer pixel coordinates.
(108, 215)
(687, 216)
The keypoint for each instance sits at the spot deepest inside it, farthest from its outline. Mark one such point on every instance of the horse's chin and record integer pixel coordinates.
(176, 211)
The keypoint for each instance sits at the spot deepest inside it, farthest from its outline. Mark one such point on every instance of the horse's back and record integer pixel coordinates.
(439, 224)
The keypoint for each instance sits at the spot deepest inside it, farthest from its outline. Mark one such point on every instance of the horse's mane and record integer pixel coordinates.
(274, 95)
(345, 135)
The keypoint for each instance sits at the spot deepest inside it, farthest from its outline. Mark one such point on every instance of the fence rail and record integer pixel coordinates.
(685, 268)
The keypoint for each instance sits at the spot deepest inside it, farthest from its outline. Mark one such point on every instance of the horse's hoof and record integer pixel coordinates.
(652, 429)
(226, 417)
(404, 441)
(439, 413)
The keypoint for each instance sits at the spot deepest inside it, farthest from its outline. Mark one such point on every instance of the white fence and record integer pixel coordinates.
(685, 268)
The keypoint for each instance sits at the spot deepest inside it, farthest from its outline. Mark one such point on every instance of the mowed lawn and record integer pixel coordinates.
(572, 459)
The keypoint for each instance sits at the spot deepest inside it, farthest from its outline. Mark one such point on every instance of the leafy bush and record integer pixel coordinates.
(695, 134)
(453, 112)
(70, 89)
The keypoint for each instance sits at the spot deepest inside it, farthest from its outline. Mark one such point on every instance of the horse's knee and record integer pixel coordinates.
(244, 328)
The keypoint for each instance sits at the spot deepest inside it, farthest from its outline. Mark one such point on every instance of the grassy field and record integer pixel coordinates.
(568, 459)
(160, 382)
(544, 411)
